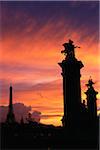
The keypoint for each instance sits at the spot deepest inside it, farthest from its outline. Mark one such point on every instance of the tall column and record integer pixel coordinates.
(91, 100)
(71, 87)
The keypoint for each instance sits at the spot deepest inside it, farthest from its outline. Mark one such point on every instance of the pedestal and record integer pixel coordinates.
(71, 90)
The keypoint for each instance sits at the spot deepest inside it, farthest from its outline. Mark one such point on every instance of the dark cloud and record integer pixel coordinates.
(24, 86)
(16, 68)
(17, 16)
(36, 115)
(21, 68)
(50, 116)
(53, 85)
(53, 109)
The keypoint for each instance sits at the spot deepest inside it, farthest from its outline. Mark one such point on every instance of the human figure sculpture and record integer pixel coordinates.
(69, 49)
(90, 83)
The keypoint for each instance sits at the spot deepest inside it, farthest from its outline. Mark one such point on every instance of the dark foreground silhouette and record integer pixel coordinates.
(37, 136)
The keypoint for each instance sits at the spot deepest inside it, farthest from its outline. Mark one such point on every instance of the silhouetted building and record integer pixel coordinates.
(71, 85)
(91, 100)
(10, 115)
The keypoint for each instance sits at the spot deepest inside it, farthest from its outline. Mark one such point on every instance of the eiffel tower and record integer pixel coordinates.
(10, 115)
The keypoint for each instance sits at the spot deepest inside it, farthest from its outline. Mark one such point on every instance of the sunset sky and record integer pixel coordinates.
(32, 34)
